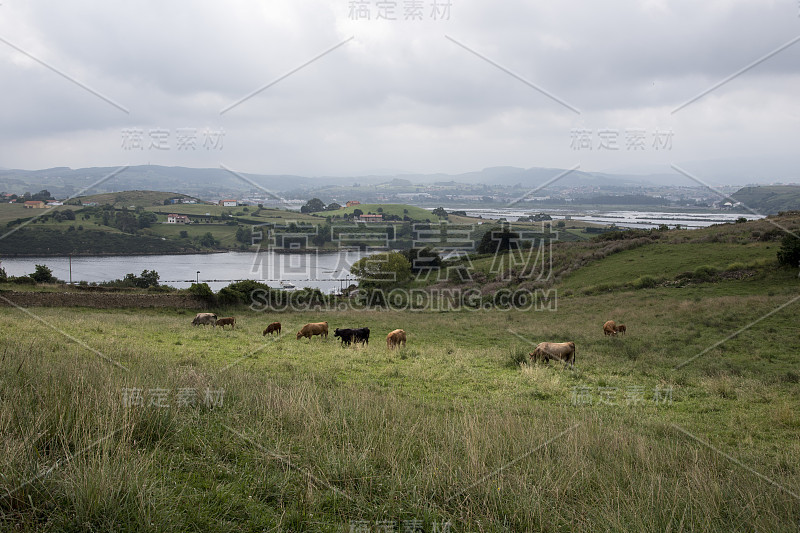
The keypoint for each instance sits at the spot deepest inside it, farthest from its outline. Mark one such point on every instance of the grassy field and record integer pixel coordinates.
(133, 420)
(660, 260)
(401, 210)
(275, 216)
(132, 198)
(310, 436)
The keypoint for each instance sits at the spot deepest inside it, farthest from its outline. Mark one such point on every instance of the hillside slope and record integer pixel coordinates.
(770, 199)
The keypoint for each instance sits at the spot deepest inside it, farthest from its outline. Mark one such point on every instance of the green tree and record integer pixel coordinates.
(312, 206)
(202, 291)
(422, 259)
(42, 274)
(388, 268)
(498, 240)
(42, 195)
(333, 206)
(440, 212)
(208, 240)
(357, 212)
(125, 221)
(149, 278)
(146, 219)
(789, 253)
(561, 224)
(244, 235)
(184, 234)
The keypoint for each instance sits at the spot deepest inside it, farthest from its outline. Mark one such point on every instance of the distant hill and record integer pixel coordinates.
(770, 199)
(213, 183)
(207, 183)
(129, 198)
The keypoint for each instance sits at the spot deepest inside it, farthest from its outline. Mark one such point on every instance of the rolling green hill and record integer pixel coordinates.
(131, 198)
(401, 210)
(667, 261)
(770, 199)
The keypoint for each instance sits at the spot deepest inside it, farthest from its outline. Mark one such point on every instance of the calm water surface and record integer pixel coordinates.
(323, 271)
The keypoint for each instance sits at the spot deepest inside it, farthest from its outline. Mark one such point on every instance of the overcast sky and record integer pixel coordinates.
(486, 84)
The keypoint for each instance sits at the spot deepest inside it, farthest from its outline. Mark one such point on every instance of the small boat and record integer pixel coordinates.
(287, 285)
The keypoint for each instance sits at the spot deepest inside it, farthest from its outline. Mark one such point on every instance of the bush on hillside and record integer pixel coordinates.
(645, 282)
(789, 253)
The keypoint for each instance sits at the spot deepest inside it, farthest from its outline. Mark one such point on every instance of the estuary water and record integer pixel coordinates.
(324, 271)
(627, 219)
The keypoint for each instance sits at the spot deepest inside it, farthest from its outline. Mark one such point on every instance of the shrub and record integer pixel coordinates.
(789, 253)
(645, 282)
(226, 297)
(202, 291)
(42, 274)
(516, 356)
(704, 273)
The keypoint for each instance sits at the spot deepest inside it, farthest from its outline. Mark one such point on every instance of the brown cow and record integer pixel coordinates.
(395, 338)
(275, 327)
(227, 321)
(313, 328)
(561, 351)
(610, 328)
(621, 329)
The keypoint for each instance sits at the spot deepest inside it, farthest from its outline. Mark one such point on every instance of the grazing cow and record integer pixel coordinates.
(346, 335)
(395, 338)
(562, 351)
(610, 328)
(349, 336)
(313, 328)
(275, 327)
(621, 329)
(205, 319)
(361, 335)
(227, 321)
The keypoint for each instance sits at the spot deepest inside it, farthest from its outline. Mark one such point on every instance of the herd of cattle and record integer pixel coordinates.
(544, 351)
(347, 336)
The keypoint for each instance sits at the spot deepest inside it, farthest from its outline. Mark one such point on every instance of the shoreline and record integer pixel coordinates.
(277, 251)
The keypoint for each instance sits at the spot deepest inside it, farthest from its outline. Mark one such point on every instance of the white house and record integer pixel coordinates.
(228, 203)
(177, 219)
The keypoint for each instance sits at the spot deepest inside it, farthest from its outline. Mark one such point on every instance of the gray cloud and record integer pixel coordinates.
(399, 95)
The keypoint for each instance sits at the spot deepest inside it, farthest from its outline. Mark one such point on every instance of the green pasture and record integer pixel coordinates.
(401, 210)
(688, 422)
(662, 260)
(670, 427)
(131, 198)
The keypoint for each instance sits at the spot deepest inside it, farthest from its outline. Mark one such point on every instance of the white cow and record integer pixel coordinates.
(205, 319)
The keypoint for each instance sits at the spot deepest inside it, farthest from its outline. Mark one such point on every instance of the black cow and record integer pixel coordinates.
(361, 335)
(346, 335)
(349, 336)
